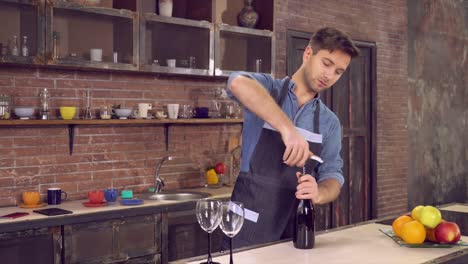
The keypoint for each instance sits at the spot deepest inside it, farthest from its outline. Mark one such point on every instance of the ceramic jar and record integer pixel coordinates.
(165, 8)
(247, 16)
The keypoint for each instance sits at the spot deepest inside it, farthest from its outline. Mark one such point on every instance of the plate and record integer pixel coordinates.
(131, 201)
(22, 205)
(427, 244)
(89, 204)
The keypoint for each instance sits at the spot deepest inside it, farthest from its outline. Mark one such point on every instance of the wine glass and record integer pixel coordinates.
(232, 219)
(208, 216)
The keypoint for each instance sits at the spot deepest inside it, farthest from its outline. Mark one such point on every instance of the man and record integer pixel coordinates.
(279, 116)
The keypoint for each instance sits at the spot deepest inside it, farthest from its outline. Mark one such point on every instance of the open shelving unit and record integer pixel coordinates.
(22, 18)
(81, 28)
(203, 31)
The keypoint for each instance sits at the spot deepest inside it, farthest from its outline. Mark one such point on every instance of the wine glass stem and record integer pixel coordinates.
(230, 251)
(209, 247)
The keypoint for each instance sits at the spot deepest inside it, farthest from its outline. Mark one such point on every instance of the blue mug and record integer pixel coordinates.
(111, 195)
(201, 112)
(54, 196)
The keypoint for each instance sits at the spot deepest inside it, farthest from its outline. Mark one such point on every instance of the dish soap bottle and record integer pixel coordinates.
(304, 225)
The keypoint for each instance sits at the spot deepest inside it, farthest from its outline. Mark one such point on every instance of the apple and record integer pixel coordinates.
(416, 212)
(447, 232)
(430, 216)
(220, 168)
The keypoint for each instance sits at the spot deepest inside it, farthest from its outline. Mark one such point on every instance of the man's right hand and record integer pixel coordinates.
(297, 149)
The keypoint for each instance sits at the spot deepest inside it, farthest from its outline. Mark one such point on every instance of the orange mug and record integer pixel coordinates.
(96, 197)
(31, 198)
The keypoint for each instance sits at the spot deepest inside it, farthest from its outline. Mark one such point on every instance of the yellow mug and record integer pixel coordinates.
(67, 112)
(31, 198)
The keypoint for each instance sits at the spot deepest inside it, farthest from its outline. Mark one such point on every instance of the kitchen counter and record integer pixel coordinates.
(355, 244)
(112, 211)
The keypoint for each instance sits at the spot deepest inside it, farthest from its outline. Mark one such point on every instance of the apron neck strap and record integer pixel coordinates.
(284, 91)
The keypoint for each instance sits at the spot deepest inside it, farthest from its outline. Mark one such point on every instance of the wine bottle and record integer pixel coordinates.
(304, 225)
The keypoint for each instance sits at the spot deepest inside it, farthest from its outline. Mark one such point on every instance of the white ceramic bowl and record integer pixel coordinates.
(24, 112)
(123, 113)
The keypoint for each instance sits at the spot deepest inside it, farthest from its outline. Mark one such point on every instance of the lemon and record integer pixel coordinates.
(416, 212)
(211, 176)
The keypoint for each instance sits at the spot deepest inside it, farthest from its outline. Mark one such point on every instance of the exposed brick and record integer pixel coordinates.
(56, 74)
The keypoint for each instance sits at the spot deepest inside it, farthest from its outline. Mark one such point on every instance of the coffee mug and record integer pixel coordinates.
(111, 195)
(96, 197)
(200, 112)
(171, 63)
(95, 54)
(127, 194)
(143, 110)
(54, 196)
(172, 111)
(31, 198)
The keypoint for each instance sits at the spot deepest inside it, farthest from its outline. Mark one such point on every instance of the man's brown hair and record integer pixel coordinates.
(333, 39)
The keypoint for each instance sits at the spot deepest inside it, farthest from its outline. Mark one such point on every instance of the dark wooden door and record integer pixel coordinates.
(351, 99)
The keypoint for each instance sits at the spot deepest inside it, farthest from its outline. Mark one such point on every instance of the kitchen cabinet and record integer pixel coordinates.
(72, 30)
(128, 240)
(185, 238)
(22, 18)
(40, 246)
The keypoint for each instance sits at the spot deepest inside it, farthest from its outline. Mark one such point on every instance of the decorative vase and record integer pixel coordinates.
(247, 16)
(165, 8)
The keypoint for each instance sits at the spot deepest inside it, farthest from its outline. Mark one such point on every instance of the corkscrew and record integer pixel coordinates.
(313, 157)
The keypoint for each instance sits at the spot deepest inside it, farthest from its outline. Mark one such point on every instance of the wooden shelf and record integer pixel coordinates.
(192, 121)
(98, 122)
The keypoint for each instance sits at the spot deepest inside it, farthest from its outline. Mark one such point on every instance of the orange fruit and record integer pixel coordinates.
(413, 232)
(430, 234)
(399, 222)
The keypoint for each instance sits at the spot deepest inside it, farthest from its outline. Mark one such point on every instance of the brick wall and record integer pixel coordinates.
(384, 23)
(36, 158)
(125, 156)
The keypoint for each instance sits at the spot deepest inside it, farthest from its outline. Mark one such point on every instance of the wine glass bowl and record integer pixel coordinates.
(232, 219)
(208, 216)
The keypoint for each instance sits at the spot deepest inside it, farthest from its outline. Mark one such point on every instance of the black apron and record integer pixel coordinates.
(270, 185)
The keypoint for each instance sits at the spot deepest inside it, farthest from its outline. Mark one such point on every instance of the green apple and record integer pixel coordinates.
(416, 212)
(430, 216)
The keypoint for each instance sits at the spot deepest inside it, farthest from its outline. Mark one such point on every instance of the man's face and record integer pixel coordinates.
(323, 69)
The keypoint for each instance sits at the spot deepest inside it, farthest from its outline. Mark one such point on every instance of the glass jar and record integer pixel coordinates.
(5, 106)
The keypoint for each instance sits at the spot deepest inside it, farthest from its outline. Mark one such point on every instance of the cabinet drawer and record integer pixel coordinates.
(41, 245)
(113, 240)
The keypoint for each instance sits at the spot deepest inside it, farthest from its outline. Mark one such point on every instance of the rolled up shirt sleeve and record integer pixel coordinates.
(265, 80)
(331, 147)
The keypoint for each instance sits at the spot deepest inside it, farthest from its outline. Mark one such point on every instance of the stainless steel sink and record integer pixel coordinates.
(175, 196)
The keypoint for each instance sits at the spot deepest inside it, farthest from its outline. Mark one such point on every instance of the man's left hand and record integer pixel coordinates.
(307, 188)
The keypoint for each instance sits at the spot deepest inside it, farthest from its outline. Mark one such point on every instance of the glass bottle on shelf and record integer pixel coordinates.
(44, 97)
(14, 48)
(24, 48)
(55, 45)
(88, 111)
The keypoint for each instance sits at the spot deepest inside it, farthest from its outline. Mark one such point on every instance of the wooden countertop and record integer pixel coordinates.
(358, 244)
(82, 213)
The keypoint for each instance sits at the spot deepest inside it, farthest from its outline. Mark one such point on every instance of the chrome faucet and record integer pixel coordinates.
(158, 181)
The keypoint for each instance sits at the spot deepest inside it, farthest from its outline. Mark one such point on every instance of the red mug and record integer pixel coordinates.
(96, 197)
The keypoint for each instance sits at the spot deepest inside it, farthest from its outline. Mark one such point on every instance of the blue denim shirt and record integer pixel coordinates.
(329, 126)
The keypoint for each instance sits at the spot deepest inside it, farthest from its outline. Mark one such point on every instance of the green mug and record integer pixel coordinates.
(127, 194)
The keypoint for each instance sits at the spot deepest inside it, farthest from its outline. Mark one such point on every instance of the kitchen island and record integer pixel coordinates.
(362, 243)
